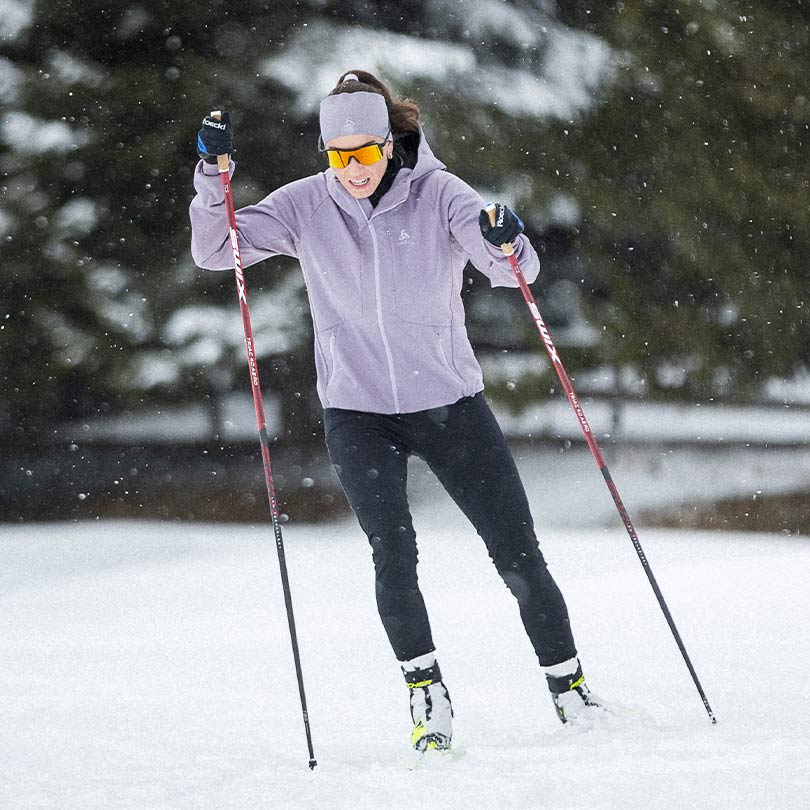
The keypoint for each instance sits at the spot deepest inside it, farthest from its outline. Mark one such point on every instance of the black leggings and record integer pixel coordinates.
(463, 445)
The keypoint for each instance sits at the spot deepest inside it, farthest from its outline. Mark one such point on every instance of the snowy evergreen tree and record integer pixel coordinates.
(654, 149)
(690, 176)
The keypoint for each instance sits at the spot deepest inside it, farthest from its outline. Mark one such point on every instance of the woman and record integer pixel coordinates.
(382, 237)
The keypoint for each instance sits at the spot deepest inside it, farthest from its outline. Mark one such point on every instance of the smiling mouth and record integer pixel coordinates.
(360, 183)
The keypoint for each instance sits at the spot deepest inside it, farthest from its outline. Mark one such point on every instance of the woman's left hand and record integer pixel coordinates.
(508, 225)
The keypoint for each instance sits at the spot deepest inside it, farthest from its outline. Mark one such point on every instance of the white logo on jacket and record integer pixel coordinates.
(404, 240)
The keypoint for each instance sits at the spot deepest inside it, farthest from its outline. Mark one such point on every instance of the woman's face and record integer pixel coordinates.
(359, 180)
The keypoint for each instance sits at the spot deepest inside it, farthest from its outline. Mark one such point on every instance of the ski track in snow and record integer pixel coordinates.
(147, 665)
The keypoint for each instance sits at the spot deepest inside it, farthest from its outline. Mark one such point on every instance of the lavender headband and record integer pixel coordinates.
(360, 113)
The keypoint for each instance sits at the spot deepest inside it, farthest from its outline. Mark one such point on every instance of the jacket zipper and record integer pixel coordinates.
(392, 377)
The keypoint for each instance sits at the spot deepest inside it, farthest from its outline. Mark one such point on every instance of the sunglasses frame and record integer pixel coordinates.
(322, 148)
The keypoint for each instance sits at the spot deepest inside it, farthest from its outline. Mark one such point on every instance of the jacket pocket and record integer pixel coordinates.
(331, 363)
(334, 284)
(447, 352)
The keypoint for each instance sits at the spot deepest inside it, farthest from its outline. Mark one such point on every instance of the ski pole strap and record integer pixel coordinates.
(418, 678)
(565, 683)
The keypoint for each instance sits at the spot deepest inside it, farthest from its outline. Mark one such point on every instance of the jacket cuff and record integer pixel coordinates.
(210, 169)
(497, 253)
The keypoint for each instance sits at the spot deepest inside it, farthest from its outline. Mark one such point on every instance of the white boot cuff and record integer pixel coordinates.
(568, 667)
(424, 662)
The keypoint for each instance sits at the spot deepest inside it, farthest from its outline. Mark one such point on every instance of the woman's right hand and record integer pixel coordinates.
(215, 137)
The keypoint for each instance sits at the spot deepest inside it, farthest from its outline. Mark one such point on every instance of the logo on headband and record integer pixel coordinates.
(349, 125)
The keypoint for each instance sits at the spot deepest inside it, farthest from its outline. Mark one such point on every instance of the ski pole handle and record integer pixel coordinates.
(507, 247)
(223, 161)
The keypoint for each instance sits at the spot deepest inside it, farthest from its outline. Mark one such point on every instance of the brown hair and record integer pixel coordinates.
(403, 113)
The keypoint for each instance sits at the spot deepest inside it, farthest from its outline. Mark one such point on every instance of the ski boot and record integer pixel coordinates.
(431, 710)
(573, 700)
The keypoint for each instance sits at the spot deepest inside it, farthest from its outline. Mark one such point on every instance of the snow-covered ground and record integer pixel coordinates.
(148, 666)
(565, 488)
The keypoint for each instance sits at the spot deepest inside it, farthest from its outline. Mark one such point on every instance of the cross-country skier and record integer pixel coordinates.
(382, 236)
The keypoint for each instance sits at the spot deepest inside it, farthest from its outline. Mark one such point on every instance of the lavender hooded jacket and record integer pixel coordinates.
(384, 283)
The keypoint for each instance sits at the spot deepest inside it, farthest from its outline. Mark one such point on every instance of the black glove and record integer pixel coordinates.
(507, 228)
(215, 138)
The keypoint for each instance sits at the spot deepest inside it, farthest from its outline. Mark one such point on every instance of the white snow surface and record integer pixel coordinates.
(645, 421)
(35, 136)
(10, 80)
(202, 334)
(561, 85)
(148, 666)
(15, 17)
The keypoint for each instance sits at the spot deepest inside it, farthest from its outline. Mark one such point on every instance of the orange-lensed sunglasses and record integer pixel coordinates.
(366, 154)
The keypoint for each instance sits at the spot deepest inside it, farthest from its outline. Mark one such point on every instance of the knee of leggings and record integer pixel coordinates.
(517, 584)
(395, 558)
(522, 572)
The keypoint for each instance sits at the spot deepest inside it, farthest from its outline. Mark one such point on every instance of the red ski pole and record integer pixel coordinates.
(223, 164)
(509, 252)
